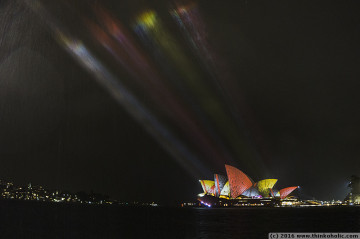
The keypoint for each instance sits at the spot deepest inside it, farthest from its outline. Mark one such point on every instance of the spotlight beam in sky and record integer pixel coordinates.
(106, 79)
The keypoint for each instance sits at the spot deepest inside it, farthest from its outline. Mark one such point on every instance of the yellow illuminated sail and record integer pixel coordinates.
(264, 185)
(226, 189)
(208, 186)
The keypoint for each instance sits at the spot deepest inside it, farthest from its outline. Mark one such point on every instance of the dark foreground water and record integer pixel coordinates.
(46, 220)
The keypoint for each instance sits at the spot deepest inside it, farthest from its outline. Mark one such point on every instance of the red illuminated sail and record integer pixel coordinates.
(212, 189)
(239, 181)
(286, 191)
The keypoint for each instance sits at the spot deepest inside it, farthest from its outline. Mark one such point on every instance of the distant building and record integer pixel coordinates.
(354, 196)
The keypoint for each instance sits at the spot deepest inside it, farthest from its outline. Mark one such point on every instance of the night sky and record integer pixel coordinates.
(289, 77)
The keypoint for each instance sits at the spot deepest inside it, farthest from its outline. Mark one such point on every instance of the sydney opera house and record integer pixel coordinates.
(238, 189)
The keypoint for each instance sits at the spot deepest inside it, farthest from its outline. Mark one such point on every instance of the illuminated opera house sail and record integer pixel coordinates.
(239, 187)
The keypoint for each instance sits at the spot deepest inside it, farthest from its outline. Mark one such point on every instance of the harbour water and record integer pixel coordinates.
(50, 220)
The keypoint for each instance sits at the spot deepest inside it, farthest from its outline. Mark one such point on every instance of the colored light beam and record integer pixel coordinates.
(106, 79)
(134, 61)
(150, 29)
(191, 24)
(131, 104)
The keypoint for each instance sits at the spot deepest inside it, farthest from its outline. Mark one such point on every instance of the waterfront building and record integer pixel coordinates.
(238, 189)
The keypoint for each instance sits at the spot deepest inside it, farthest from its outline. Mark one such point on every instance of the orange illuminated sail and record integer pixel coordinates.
(239, 182)
(286, 191)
